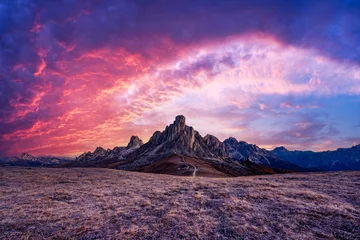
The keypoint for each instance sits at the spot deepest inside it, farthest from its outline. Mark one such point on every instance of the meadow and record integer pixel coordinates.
(90, 203)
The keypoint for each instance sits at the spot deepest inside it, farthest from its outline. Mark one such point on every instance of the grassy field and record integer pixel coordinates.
(44, 203)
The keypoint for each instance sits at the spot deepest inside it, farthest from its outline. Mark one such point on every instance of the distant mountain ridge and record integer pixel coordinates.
(100, 155)
(26, 159)
(242, 151)
(340, 159)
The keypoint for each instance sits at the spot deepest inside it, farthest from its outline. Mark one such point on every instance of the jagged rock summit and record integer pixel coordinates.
(135, 142)
(27, 156)
(177, 127)
(178, 138)
(216, 145)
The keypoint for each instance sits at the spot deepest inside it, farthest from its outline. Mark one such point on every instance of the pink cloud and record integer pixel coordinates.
(102, 97)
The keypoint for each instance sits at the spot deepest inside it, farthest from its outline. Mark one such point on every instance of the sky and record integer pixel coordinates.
(77, 74)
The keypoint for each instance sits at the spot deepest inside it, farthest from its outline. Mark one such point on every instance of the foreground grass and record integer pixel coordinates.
(42, 203)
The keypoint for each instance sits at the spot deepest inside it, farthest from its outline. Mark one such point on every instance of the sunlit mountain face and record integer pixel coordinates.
(79, 74)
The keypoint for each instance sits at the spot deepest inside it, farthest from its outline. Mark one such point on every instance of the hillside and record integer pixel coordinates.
(187, 166)
(88, 203)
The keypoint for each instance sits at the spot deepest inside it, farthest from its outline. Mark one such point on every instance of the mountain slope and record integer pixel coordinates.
(340, 159)
(183, 166)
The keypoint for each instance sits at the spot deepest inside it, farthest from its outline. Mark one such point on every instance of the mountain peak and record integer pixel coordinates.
(281, 148)
(179, 121)
(215, 145)
(135, 141)
(177, 127)
(231, 141)
(211, 139)
(26, 156)
(99, 150)
(178, 138)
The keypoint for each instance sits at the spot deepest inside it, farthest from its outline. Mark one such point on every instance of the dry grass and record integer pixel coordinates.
(78, 203)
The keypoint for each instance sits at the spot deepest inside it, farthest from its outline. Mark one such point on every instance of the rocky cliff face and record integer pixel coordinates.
(340, 159)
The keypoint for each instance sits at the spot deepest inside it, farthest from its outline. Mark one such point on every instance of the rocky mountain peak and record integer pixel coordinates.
(179, 124)
(231, 141)
(215, 145)
(177, 127)
(180, 121)
(178, 138)
(135, 142)
(26, 156)
(99, 150)
(212, 140)
(280, 149)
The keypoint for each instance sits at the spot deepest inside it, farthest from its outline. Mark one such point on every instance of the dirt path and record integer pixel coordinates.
(195, 170)
(194, 167)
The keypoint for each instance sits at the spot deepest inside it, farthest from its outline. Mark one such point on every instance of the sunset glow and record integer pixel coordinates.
(96, 72)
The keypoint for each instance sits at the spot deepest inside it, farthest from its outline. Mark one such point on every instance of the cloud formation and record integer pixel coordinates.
(78, 74)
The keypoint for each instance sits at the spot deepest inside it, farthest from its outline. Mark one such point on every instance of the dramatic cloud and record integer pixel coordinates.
(78, 74)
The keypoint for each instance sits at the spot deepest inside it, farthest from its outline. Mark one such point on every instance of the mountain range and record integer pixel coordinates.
(340, 159)
(180, 150)
(34, 161)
